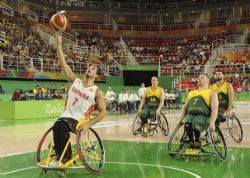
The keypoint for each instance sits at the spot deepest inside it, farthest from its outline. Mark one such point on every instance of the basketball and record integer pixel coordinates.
(59, 22)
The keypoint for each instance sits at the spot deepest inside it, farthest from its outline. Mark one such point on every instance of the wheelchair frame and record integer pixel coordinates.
(152, 125)
(205, 150)
(79, 154)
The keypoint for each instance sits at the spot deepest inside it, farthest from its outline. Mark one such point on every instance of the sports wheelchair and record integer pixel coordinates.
(213, 145)
(161, 122)
(234, 128)
(87, 152)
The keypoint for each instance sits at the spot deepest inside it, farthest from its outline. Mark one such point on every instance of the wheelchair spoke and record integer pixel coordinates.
(235, 129)
(92, 151)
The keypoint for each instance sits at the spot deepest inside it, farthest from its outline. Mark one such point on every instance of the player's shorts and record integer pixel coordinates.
(199, 122)
(148, 113)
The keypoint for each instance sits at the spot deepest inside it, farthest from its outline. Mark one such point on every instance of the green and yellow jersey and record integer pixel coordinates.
(222, 94)
(199, 102)
(153, 97)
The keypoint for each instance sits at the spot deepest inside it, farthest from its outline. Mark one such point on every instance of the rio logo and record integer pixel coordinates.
(53, 109)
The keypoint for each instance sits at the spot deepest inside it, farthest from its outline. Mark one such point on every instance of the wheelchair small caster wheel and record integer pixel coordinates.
(63, 173)
(44, 171)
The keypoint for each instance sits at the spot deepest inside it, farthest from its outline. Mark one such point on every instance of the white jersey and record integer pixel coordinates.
(80, 101)
(141, 91)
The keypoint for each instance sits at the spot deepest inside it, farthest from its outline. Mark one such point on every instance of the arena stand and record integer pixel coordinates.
(185, 55)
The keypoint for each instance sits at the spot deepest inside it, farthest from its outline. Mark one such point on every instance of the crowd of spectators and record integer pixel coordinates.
(24, 42)
(230, 66)
(40, 93)
(176, 55)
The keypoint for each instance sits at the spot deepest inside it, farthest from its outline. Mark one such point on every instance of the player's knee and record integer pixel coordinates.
(188, 126)
(143, 120)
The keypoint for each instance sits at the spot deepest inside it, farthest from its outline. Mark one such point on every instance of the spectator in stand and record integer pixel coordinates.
(141, 90)
(53, 89)
(35, 90)
(16, 96)
(25, 96)
(1, 90)
(44, 89)
(48, 95)
(56, 95)
(39, 95)
(63, 89)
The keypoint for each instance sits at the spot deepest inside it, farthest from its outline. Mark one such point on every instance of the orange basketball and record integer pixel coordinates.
(59, 22)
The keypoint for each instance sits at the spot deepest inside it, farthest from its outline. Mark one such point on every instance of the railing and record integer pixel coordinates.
(234, 38)
(32, 15)
(140, 60)
(2, 35)
(146, 27)
(135, 5)
(65, 35)
(45, 35)
(82, 51)
(6, 10)
(244, 36)
(195, 70)
(219, 44)
(26, 63)
(130, 58)
(183, 70)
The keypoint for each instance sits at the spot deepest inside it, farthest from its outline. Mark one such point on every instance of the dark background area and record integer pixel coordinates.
(135, 78)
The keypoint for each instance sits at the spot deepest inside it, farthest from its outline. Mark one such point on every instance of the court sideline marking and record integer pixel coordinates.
(121, 163)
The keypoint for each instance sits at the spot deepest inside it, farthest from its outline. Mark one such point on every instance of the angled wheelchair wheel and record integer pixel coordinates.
(235, 129)
(163, 124)
(91, 150)
(218, 143)
(45, 149)
(46, 153)
(136, 126)
(177, 140)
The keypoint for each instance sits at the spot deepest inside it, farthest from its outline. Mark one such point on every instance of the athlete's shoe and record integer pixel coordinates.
(53, 163)
(192, 151)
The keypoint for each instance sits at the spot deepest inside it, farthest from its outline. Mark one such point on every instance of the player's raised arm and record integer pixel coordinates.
(65, 67)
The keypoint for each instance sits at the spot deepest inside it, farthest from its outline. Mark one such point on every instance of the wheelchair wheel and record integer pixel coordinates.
(91, 150)
(163, 124)
(177, 140)
(218, 143)
(235, 128)
(46, 152)
(45, 149)
(136, 126)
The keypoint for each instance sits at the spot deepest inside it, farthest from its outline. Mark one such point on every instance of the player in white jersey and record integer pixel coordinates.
(83, 97)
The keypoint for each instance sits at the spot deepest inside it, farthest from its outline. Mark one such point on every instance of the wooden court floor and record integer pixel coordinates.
(126, 155)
